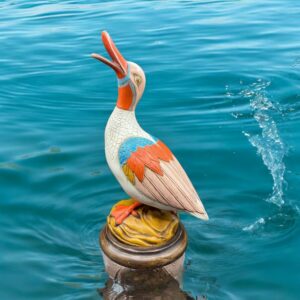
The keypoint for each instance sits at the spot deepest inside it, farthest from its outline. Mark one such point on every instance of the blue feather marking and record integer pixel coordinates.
(130, 145)
(125, 80)
(155, 138)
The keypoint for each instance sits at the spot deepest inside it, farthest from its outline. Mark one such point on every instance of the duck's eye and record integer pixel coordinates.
(137, 79)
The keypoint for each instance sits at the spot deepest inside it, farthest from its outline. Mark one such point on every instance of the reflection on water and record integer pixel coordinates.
(144, 284)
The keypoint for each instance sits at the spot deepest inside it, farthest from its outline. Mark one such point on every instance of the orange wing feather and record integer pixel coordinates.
(161, 178)
(149, 157)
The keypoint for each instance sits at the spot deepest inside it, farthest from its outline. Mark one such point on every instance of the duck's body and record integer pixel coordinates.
(144, 166)
(122, 125)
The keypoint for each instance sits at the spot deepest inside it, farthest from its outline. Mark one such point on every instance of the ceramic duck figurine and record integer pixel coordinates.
(144, 166)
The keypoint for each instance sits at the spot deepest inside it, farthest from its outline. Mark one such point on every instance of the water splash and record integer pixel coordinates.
(282, 220)
(268, 142)
(256, 225)
(271, 149)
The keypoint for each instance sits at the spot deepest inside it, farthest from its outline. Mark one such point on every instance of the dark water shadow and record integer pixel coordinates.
(144, 284)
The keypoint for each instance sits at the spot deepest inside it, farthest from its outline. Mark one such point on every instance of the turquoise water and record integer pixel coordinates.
(223, 93)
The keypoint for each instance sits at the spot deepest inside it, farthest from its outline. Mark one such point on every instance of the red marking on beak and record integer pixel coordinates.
(118, 63)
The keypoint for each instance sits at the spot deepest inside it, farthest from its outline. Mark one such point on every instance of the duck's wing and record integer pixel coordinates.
(153, 169)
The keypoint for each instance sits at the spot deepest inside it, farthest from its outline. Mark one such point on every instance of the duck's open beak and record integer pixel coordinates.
(118, 63)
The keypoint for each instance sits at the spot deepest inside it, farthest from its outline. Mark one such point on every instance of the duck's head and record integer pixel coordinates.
(131, 77)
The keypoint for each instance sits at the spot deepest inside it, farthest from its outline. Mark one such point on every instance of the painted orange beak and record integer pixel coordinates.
(118, 63)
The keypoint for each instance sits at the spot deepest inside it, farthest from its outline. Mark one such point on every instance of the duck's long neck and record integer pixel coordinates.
(123, 120)
(124, 112)
(125, 97)
(126, 94)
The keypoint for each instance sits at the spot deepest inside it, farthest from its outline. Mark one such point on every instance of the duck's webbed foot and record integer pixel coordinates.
(121, 212)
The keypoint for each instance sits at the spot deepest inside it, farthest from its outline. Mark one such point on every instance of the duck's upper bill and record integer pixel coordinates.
(118, 63)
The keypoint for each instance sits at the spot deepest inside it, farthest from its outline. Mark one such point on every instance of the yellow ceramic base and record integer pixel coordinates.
(148, 227)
